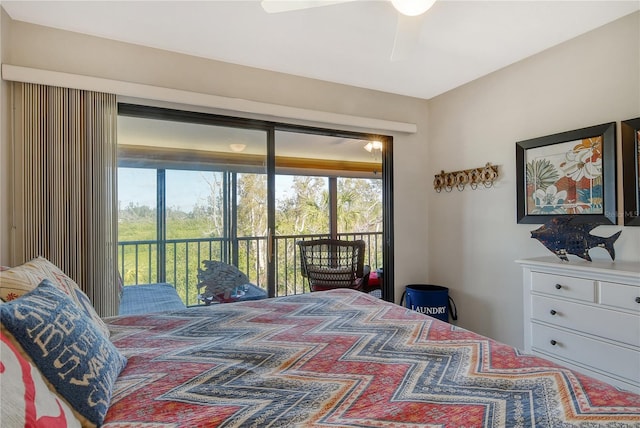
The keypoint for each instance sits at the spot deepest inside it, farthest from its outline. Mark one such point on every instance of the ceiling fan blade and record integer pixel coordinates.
(277, 6)
(407, 37)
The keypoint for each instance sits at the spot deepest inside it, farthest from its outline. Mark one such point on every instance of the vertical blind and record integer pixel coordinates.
(65, 185)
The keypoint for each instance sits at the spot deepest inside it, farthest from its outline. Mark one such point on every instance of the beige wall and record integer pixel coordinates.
(473, 235)
(50, 49)
(467, 240)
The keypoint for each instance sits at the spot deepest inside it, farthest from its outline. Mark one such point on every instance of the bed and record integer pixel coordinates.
(340, 358)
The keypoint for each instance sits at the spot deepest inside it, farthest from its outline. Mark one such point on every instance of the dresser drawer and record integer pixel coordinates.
(563, 286)
(606, 323)
(620, 296)
(592, 354)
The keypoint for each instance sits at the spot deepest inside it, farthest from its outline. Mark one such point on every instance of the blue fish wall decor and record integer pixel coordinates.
(566, 235)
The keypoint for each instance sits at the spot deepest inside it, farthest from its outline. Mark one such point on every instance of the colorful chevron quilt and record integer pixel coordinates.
(341, 358)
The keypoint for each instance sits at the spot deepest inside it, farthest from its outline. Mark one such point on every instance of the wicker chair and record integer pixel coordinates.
(332, 263)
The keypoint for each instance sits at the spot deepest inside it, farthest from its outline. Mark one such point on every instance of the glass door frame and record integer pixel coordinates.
(270, 127)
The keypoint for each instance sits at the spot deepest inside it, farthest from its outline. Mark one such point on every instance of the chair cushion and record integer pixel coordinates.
(19, 280)
(148, 298)
(77, 360)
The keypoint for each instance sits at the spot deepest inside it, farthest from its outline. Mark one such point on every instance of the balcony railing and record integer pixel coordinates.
(139, 261)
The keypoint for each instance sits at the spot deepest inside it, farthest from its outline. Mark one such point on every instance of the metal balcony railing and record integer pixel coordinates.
(139, 261)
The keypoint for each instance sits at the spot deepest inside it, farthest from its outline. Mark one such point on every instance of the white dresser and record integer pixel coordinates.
(585, 315)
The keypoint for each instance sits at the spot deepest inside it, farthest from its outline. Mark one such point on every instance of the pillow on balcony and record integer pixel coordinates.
(26, 398)
(21, 279)
(75, 358)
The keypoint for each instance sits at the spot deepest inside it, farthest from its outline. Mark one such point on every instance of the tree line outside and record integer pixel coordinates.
(198, 233)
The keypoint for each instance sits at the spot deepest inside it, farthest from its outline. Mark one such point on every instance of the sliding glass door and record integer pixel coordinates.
(195, 187)
(328, 185)
(190, 189)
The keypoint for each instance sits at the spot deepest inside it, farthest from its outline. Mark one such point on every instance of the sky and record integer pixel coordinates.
(184, 188)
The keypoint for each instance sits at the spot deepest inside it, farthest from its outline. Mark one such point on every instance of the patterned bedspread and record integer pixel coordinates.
(341, 359)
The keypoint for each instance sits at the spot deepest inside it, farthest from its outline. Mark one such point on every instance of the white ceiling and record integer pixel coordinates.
(348, 43)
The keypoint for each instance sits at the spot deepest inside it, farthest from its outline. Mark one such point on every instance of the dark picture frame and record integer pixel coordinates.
(631, 170)
(570, 173)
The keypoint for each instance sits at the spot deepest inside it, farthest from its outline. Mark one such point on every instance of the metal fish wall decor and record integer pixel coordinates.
(567, 235)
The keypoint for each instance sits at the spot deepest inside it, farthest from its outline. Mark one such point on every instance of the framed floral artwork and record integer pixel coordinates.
(571, 173)
(631, 170)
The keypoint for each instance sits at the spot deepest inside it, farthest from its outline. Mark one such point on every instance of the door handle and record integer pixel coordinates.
(269, 245)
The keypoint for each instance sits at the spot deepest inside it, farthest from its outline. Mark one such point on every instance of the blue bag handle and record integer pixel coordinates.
(453, 310)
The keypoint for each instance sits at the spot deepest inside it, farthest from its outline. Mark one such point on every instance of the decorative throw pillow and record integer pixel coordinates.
(70, 352)
(26, 399)
(21, 279)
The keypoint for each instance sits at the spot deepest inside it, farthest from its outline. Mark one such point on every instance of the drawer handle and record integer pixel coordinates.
(637, 299)
(558, 286)
(552, 312)
(553, 342)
